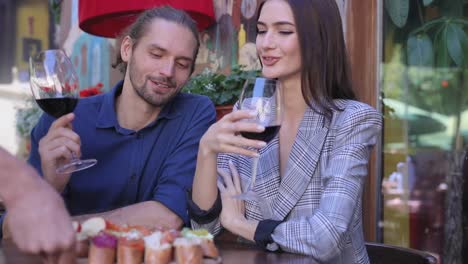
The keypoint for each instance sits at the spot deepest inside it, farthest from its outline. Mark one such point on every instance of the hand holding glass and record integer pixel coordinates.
(263, 96)
(55, 87)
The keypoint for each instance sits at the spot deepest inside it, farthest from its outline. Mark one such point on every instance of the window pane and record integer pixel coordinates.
(425, 102)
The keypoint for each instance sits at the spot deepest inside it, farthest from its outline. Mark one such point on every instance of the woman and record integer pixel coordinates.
(312, 173)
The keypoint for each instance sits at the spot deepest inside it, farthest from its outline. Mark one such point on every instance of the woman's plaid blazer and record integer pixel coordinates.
(319, 196)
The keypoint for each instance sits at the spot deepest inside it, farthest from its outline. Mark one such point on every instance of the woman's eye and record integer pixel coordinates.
(285, 32)
(261, 31)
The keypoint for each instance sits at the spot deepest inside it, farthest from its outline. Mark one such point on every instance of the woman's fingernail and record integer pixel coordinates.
(257, 154)
(262, 144)
(261, 128)
(253, 113)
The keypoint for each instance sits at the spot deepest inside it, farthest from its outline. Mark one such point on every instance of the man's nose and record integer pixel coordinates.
(167, 69)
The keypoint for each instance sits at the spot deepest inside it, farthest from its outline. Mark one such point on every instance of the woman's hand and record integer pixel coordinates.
(55, 149)
(224, 135)
(233, 213)
(233, 209)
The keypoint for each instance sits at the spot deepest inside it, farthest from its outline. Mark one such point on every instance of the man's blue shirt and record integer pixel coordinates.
(156, 163)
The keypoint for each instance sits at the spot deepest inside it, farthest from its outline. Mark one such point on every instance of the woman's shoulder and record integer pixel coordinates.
(355, 111)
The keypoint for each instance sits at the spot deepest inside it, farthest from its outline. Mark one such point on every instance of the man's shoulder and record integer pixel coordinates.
(191, 102)
(194, 107)
(92, 103)
(184, 97)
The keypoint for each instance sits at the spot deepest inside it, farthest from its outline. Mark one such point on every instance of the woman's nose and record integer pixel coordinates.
(268, 40)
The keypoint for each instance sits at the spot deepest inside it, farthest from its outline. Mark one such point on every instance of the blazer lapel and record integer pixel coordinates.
(303, 160)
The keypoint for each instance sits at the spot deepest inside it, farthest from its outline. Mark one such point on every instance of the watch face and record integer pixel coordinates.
(248, 8)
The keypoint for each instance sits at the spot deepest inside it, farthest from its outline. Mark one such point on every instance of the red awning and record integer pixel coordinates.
(109, 18)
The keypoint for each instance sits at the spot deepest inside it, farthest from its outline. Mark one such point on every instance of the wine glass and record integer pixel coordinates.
(263, 96)
(54, 85)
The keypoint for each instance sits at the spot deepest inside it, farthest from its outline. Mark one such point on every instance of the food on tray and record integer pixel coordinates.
(82, 242)
(106, 242)
(158, 248)
(209, 248)
(188, 250)
(102, 249)
(92, 226)
(130, 248)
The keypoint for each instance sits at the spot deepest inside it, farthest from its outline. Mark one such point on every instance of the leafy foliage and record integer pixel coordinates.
(398, 11)
(420, 51)
(221, 89)
(27, 117)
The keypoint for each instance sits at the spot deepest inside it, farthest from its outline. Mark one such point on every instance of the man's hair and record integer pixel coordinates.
(139, 28)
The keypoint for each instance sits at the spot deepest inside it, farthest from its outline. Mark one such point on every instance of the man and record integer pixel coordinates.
(144, 133)
(38, 220)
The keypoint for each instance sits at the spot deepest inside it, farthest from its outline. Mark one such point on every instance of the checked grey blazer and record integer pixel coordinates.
(319, 197)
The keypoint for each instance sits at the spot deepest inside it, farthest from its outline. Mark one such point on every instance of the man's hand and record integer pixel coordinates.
(39, 223)
(55, 149)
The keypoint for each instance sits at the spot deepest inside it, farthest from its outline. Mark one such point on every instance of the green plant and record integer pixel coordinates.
(221, 89)
(27, 117)
(436, 37)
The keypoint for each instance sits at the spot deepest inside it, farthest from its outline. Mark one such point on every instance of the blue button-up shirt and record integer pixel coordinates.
(156, 163)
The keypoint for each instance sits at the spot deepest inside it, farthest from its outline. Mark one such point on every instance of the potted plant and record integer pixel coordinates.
(223, 90)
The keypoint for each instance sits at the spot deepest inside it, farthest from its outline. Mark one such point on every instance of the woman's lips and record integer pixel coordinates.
(269, 61)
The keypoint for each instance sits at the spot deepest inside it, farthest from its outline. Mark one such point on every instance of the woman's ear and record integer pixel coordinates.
(126, 48)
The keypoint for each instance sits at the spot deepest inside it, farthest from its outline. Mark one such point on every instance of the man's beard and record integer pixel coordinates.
(144, 92)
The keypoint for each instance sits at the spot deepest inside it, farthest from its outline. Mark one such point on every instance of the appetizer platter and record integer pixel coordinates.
(101, 241)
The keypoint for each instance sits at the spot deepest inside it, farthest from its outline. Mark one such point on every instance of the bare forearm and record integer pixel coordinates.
(14, 175)
(204, 189)
(150, 213)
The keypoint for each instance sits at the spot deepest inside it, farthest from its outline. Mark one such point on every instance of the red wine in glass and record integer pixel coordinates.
(57, 107)
(267, 135)
(54, 85)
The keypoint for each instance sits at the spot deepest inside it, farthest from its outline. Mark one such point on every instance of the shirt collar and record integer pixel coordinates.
(107, 116)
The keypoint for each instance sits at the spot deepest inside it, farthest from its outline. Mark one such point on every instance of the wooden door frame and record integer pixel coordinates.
(363, 40)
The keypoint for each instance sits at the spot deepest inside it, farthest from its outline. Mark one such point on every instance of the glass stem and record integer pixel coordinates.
(75, 158)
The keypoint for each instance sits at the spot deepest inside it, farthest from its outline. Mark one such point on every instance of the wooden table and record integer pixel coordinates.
(230, 253)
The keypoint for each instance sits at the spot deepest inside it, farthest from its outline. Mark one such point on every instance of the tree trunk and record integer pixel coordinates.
(453, 228)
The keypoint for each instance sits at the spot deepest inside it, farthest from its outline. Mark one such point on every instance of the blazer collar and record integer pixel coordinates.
(301, 165)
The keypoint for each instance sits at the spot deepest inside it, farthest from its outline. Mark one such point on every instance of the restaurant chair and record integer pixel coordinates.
(388, 254)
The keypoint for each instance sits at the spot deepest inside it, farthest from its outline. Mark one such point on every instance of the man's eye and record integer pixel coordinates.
(259, 32)
(155, 55)
(182, 65)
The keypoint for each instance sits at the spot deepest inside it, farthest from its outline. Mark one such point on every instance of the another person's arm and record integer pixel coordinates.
(37, 219)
